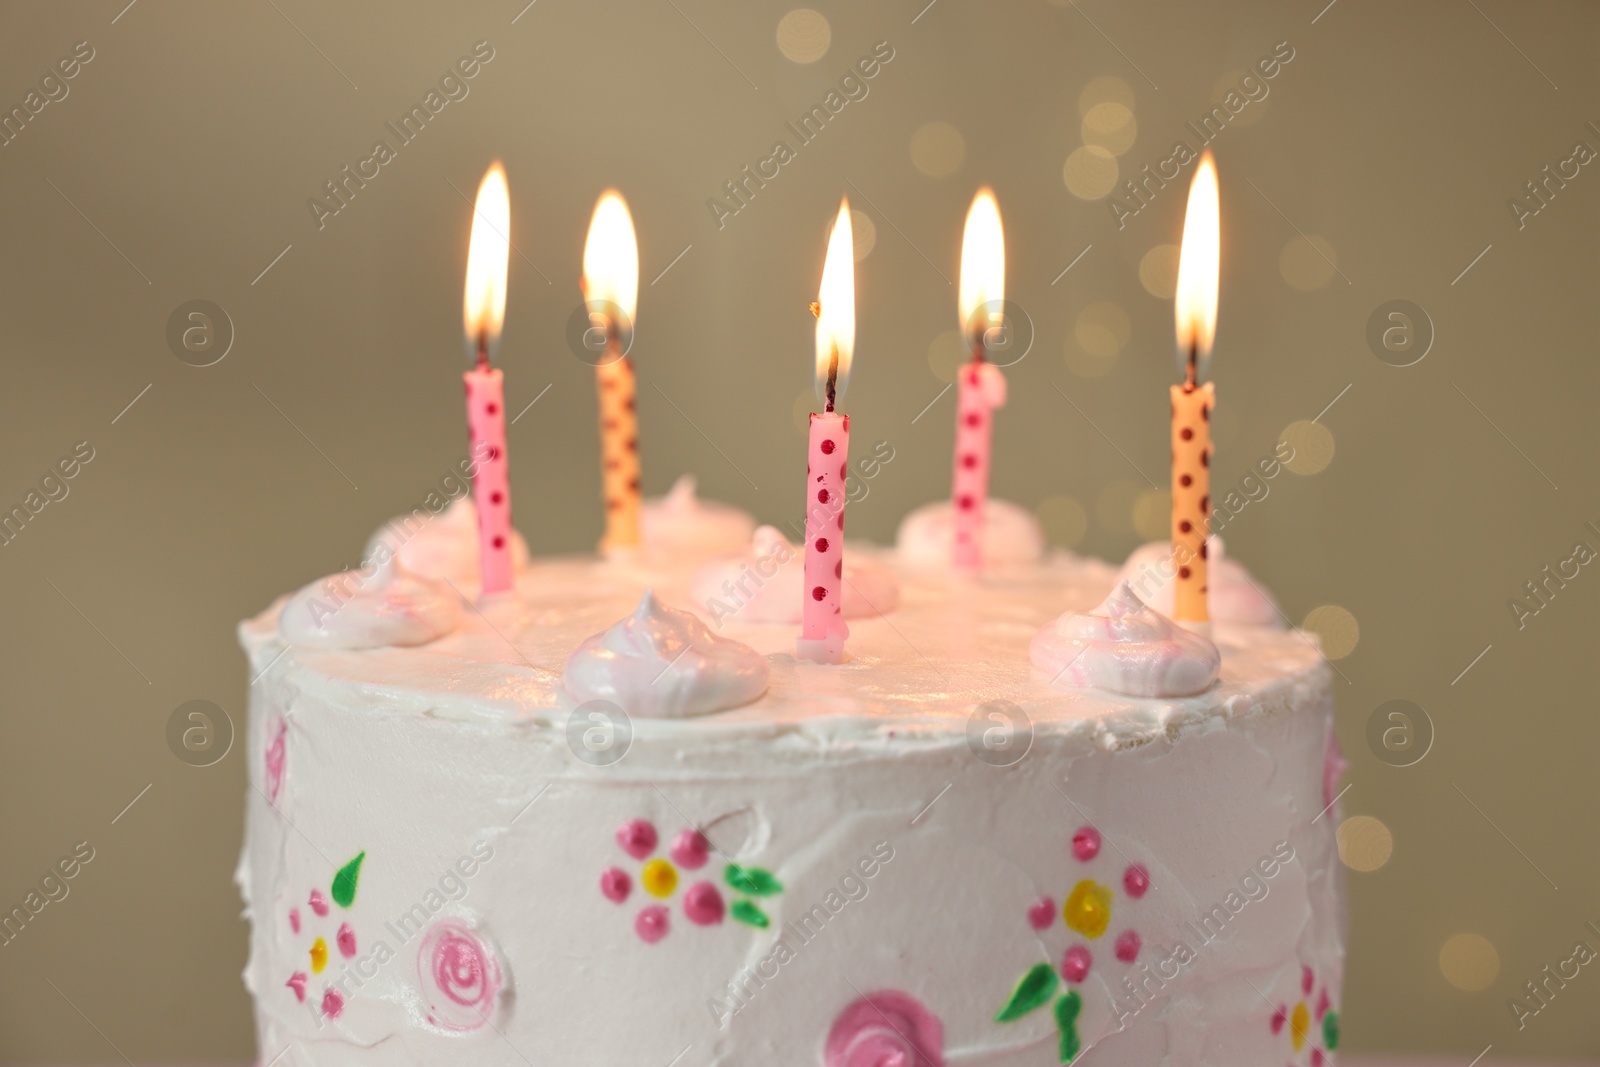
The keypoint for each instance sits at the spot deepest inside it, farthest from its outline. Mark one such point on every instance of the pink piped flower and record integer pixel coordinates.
(1075, 964)
(652, 924)
(1086, 844)
(276, 748)
(1042, 913)
(690, 850)
(332, 1004)
(703, 904)
(615, 884)
(346, 940)
(889, 1028)
(1136, 880)
(297, 982)
(459, 974)
(1128, 945)
(319, 903)
(637, 838)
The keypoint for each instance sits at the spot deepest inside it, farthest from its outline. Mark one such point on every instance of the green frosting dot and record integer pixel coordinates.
(1330, 1030)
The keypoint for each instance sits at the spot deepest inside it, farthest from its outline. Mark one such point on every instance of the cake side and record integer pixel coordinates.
(842, 865)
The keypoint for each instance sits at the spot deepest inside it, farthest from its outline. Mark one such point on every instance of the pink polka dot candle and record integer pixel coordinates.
(822, 627)
(483, 313)
(1196, 312)
(980, 387)
(611, 292)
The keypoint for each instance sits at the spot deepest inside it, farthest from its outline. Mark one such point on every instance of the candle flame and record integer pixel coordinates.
(1199, 265)
(983, 268)
(488, 252)
(611, 260)
(836, 315)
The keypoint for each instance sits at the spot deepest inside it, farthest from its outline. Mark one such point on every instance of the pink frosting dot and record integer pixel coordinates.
(615, 884)
(1075, 964)
(319, 903)
(1316, 1057)
(703, 904)
(1135, 880)
(637, 838)
(690, 850)
(1042, 913)
(889, 1028)
(652, 924)
(1279, 1017)
(297, 982)
(332, 1004)
(1086, 844)
(1306, 980)
(1128, 945)
(1323, 1004)
(347, 940)
(294, 919)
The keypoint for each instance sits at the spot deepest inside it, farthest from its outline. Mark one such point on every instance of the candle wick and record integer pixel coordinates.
(483, 349)
(833, 377)
(1190, 371)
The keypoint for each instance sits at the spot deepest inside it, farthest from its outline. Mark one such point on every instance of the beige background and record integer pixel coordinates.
(1394, 138)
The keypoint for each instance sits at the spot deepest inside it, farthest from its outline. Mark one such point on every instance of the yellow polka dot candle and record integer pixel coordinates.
(611, 292)
(1192, 402)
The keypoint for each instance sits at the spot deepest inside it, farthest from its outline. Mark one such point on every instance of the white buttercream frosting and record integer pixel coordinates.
(442, 545)
(765, 583)
(1011, 535)
(386, 605)
(661, 663)
(683, 522)
(1232, 594)
(1126, 647)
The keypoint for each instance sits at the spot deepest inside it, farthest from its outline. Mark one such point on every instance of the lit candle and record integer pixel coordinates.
(1196, 308)
(822, 629)
(483, 313)
(611, 291)
(981, 388)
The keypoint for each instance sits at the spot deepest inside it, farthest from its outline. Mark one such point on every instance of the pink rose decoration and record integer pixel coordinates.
(889, 1028)
(459, 976)
(278, 732)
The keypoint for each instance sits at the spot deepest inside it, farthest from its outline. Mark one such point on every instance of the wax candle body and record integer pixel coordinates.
(1191, 498)
(619, 452)
(822, 628)
(981, 389)
(491, 484)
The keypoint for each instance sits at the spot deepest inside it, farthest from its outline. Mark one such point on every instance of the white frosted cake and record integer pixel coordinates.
(980, 840)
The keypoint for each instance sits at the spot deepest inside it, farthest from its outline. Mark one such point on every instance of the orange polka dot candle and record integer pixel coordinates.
(611, 291)
(483, 314)
(1192, 402)
(980, 387)
(822, 626)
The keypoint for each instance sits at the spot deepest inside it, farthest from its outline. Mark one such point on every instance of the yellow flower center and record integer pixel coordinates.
(659, 878)
(319, 956)
(1088, 908)
(1299, 1025)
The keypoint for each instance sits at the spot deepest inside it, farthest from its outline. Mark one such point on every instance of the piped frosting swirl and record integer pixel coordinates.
(387, 606)
(1126, 647)
(682, 522)
(661, 663)
(765, 583)
(1011, 534)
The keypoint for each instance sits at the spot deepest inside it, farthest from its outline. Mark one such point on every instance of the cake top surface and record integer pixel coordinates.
(921, 669)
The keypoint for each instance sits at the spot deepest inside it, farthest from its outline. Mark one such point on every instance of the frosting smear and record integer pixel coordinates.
(663, 663)
(1126, 647)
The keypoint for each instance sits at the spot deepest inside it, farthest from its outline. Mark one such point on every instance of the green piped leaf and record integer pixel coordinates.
(1330, 1030)
(745, 911)
(752, 880)
(344, 883)
(1033, 990)
(1067, 1009)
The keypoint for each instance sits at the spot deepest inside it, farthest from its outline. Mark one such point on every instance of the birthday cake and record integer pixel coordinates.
(610, 817)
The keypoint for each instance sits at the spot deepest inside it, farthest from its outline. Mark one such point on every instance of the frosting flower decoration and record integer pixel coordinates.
(1310, 1019)
(1089, 911)
(702, 902)
(343, 892)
